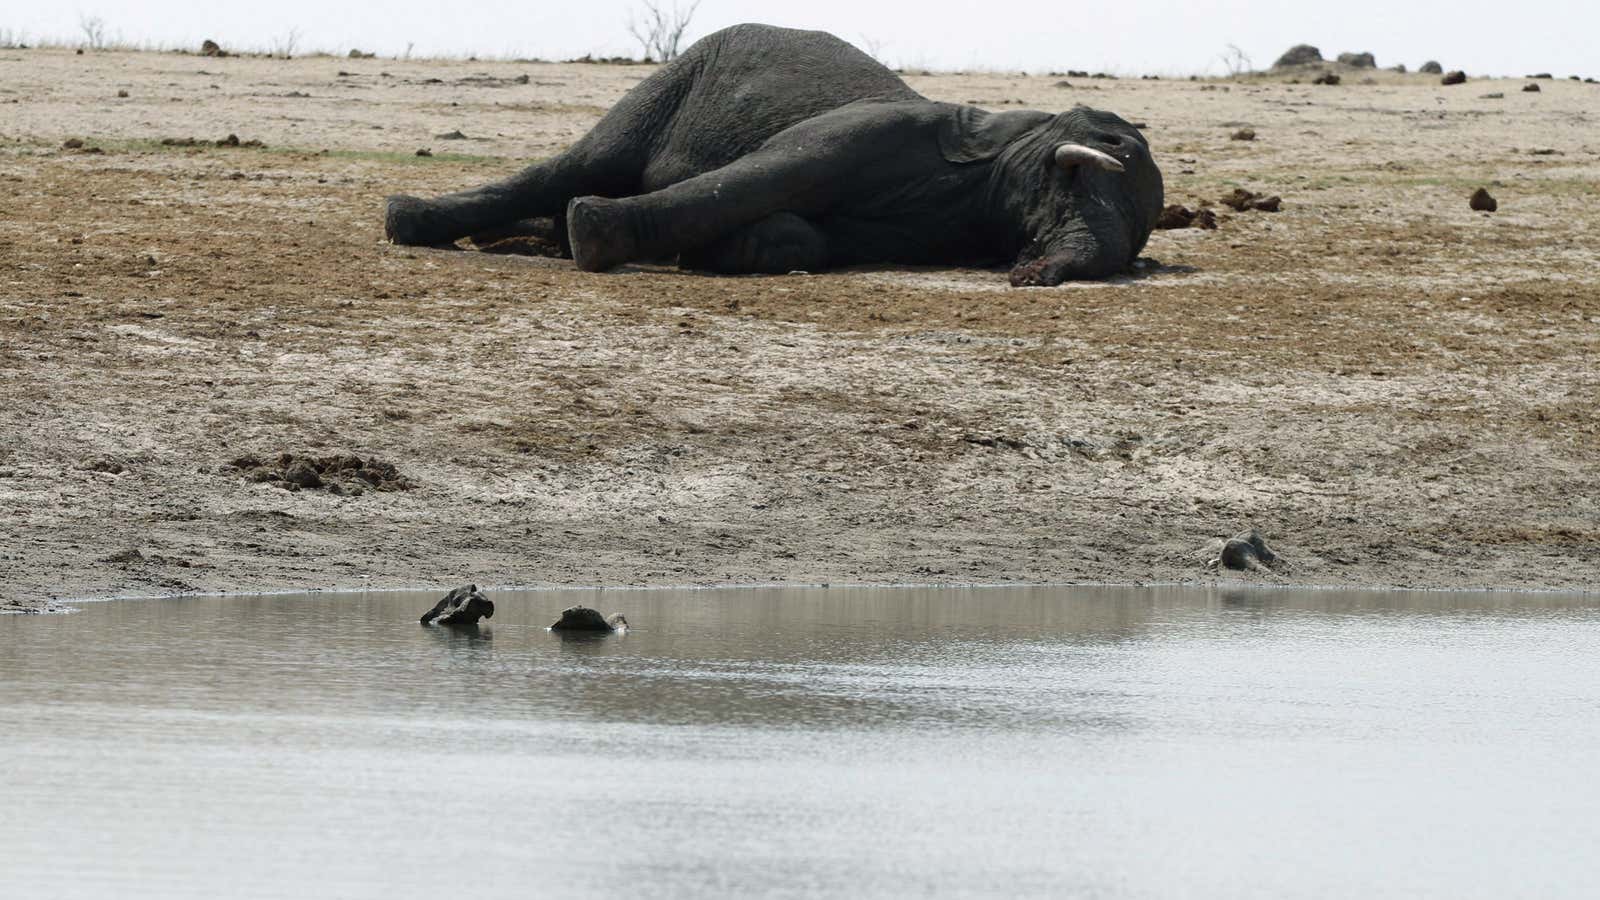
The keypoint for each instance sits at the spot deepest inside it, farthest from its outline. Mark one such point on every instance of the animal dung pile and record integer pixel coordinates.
(1241, 200)
(1183, 217)
(231, 140)
(350, 475)
(1482, 201)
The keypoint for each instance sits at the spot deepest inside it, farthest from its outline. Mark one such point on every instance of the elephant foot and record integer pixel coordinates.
(598, 234)
(416, 222)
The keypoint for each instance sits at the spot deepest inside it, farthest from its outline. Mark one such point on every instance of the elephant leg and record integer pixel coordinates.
(609, 161)
(781, 243)
(541, 190)
(696, 213)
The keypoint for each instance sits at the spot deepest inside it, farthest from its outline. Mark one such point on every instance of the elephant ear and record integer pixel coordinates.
(970, 134)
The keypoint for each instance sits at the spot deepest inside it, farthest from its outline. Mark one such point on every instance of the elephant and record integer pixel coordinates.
(462, 606)
(769, 150)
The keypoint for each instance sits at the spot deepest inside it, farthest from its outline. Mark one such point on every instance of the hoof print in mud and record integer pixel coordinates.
(582, 619)
(346, 475)
(1245, 551)
(462, 606)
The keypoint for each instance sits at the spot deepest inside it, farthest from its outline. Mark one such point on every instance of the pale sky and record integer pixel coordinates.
(1129, 37)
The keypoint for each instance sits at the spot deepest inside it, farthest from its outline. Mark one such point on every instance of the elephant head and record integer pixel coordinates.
(1081, 189)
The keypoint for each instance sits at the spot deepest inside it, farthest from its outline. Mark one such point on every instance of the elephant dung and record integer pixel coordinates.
(1482, 201)
(462, 606)
(582, 618)
(1183, 217)
(1241, 200)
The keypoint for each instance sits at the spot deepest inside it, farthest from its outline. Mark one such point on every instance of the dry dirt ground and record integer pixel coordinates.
(1397, 390)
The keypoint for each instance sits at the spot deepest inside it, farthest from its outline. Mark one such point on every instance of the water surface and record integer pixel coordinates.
(905, 742)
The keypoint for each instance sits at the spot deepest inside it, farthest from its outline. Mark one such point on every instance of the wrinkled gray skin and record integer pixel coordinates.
(462, 606)
(582, 618)
(766, 149)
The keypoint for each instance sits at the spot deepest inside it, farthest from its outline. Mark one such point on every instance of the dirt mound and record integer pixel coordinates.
(336, 474)
(1298, 55)
(1241, 200)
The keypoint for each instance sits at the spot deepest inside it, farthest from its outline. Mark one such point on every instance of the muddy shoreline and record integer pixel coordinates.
(1396, 389)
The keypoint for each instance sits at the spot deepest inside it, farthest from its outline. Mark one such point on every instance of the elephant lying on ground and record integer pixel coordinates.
(766, 149)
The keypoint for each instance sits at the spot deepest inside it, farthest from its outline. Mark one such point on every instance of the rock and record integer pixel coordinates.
(357, 54)
(1398, 67)
(1184, 217)
(1545, 75)
(424, 152)
(1482, 202)
(72, 144)
(582, 618)
(1326, 78)
(1455, 77)
(1431, 68)
(122, 95)
(1493, 95)
(462, 606)
(1359, 60)
(1246, 550)
(1298, 55)
(1243, 134)
(451, 136)
(1530, 88)
(211, 48)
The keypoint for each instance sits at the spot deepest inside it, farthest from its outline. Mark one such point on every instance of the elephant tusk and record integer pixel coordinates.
(1070, 155)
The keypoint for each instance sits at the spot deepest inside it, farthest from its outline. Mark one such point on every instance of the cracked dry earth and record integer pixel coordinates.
(1395, 389)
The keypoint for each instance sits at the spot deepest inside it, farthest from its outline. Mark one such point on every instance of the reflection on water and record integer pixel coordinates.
(856, 742)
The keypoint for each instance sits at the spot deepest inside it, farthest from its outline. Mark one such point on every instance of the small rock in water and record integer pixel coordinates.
(582, 618)
(1482, 202)
(462, 606)
(1246, 550)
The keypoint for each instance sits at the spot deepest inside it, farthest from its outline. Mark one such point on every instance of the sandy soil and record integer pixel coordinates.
(1397, 390)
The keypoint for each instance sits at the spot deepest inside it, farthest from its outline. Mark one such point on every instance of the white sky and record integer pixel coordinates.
(1131, 37)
